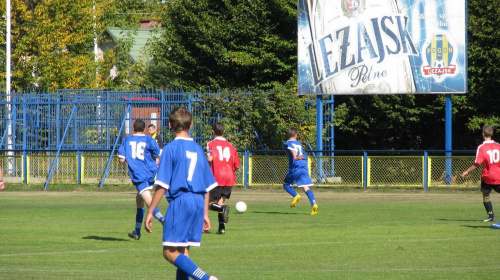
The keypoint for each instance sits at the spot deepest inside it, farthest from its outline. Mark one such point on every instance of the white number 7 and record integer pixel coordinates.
(192, 164)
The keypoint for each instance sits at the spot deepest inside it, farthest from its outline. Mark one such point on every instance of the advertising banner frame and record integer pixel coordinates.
(365, 47)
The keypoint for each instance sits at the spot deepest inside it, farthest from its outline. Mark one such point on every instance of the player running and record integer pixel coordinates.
(224, 161)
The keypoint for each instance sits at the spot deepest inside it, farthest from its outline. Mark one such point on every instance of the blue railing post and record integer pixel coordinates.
(25, 167)
(320, 175)
(59, 148)
(246, 166)
(426, 165)
(448, 140)
(79, 169)
(114, 146)
(365, 169)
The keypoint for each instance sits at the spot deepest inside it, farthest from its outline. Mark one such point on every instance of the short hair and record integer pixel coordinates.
(292, 132)
(180, 119)
(487, 131)
(218, 128)
(139, 125)
(152, 125)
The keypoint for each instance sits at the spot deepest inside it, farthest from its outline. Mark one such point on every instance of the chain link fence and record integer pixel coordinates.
(38, 168)
(337, 170)
(259, 170)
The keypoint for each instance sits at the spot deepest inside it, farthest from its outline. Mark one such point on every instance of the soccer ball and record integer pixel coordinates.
(241, 207)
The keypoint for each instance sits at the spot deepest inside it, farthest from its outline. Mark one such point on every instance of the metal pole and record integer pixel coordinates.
(319, 139)
(448, 142)
(8, 90)
(7, 51)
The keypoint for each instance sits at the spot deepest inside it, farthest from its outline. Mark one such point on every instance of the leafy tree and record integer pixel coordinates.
(267, 114)
(484, 66)
(128, 13)
(52, 43)
(417, 122)
(226, 44)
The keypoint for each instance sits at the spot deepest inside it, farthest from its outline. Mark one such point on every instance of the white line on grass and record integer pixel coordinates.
(53, 253)
(377, 270)
(263, 244)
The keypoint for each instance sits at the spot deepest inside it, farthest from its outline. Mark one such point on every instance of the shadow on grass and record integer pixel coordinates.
(100, 238)
(457, 220)
(483, 226)
(273, 212)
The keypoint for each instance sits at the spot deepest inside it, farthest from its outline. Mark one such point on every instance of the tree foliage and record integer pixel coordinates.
(52, 43)
(234, 45)
(259, 119)
(484, 65)
(226, 44)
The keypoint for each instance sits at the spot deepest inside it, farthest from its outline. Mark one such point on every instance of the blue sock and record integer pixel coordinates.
(189, 267)
(310, 195)
(181, 275)
(290, 190)
(489, 208)
(138, 220)
(158, 215)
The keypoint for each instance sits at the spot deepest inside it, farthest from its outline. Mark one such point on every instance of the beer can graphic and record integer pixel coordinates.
(380, 46)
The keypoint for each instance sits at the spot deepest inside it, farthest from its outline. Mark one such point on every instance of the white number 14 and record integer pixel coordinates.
(224, 154)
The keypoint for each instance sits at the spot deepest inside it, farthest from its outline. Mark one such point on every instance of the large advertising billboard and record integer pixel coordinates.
(382, 46)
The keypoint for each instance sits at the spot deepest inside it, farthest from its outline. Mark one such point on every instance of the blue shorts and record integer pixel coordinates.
(184, 221)
(299, 176)
(143, 186)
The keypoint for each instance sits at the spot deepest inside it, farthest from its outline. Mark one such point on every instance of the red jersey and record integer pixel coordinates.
(225, 161)
(488, 154)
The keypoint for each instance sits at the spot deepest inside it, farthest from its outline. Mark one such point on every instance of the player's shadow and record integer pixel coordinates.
(100, 238)
(456, 220)
(483, 226)
(273, 212)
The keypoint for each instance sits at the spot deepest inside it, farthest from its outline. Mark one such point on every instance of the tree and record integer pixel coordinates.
(128, 13)
(226, 44)
(417, 121)
(484, 66)
(52, 43)
(267, 114)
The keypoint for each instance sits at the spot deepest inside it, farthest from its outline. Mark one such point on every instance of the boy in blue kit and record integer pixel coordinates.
(185, 178)
(297, 171)
(140, 151)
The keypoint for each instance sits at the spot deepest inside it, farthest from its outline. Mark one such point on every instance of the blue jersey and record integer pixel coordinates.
(294, 145)
(184, 168)
(140, 151)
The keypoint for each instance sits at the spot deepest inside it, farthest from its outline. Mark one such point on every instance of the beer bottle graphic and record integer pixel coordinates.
(357, 47)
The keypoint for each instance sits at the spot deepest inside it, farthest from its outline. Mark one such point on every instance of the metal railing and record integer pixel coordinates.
(359, 169)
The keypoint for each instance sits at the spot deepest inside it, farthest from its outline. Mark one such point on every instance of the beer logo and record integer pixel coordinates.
(353, 8)
(439, 54)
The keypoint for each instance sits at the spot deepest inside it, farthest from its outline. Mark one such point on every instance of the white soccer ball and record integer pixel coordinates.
(241, 207)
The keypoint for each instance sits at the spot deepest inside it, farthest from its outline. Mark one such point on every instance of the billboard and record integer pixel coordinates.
(382, 46)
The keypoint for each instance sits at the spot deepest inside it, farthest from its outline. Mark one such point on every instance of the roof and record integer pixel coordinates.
(140, 38)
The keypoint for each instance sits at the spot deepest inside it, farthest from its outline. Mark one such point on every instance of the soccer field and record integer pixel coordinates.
(356, 235)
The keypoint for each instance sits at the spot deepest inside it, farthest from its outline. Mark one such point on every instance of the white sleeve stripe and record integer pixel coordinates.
(161, 184)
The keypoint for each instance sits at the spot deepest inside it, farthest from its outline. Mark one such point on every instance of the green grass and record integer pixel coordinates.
(374, 234)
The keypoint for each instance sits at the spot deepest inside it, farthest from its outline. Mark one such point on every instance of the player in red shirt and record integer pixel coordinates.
(224, 162)
(488, 155)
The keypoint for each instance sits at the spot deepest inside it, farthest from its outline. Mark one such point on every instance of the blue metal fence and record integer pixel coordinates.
(38, 120)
